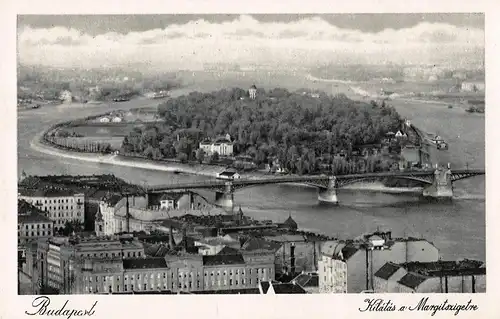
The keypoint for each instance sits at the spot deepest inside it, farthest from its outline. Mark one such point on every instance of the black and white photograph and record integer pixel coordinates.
(167, 154)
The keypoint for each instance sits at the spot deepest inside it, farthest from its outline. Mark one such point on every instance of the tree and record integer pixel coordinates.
(200, 155)
(71, 226)
(215, 157)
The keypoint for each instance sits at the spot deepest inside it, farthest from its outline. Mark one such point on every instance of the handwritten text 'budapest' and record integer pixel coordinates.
(423, 305)
(42, 307)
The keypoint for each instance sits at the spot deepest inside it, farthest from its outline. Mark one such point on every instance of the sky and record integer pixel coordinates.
(184, 41)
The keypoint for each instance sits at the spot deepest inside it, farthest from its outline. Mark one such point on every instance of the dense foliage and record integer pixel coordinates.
(303, 132)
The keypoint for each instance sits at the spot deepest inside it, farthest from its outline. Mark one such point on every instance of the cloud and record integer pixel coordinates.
(247, 40)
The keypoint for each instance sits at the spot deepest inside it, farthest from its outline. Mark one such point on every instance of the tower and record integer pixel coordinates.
(99, 223)
(252, 92)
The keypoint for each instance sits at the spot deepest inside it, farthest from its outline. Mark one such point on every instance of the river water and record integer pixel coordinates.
(457, 228)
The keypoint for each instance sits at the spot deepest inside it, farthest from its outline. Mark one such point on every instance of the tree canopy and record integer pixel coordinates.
(301, 131)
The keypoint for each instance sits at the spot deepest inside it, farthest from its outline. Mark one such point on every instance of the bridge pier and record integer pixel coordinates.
(329, 195)
(441, 187)
(225, 199)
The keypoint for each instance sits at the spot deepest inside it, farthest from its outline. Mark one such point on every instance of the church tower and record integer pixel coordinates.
(99, 223)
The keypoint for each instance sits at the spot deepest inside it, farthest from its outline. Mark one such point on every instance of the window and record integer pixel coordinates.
(230, 282)
(145, 286)
(132, 287)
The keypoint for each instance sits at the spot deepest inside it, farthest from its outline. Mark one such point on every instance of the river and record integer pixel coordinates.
(457, 228)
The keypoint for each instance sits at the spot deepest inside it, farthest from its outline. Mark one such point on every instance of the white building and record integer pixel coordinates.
(350, 266)
(252, 92)
(473, 86)
(222, 145)
(116, 119)
(228, 175)
(332, 269)
(66, 97)
(61, 205)
(104, 119)
(169, 201)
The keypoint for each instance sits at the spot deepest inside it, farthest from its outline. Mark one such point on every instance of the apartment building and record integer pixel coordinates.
(463, 276)
(61, 205)
(57, 257)
(349, 266)
(32, 223)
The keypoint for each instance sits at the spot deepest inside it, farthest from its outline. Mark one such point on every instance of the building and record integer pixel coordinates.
(216, 245)
(221, 145)
(252, 92)
(169, 201)
(472, 87)
(333, 268)
(61, 205)
(113, 209)
(278, 288)
(32, 223)
(58, 257)
(228, 175)
(116, 119)
(350, 266)
(119, 275)
(104, 119)
(66, 97)
(465, 276)
(309, 281)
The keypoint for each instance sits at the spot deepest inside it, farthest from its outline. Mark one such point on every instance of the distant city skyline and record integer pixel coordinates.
(182, 41)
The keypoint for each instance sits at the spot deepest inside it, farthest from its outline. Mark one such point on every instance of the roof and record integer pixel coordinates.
(449, 268)
(412, 280)
(387, 270)
(307, 280)
(260, 244)
(228, 251)
(243, 291)
(33, 218)
(112, 199)
(265, 286)
(287, 288)
(223, 260)
(253, 87)
(27, 213)
(144, 263)
(226, 173)
(171, 196)
(290, 222)
(46, 191)
(155, 250)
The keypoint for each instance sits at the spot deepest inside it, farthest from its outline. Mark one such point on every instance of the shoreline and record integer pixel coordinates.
(186, 169)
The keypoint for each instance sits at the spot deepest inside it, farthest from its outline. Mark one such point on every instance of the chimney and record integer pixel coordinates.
(292, 259)
(171, 239)
(184, 237)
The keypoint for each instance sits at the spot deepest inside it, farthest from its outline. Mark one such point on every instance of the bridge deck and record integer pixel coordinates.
(300, 179)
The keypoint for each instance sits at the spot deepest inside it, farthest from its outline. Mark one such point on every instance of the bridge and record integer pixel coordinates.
(436, 183)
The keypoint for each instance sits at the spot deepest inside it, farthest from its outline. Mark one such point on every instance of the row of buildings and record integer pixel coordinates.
(178, 246)
(382, 264)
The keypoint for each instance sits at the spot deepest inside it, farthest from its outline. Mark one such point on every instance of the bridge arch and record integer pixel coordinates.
(344, 182)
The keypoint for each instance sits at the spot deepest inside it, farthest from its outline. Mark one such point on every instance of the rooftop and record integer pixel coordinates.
(307, 280)
(27, 213)
(387, 270)
(144, 263)
(243, 291)
(441, 267)
(215, 260)
(412, 280)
